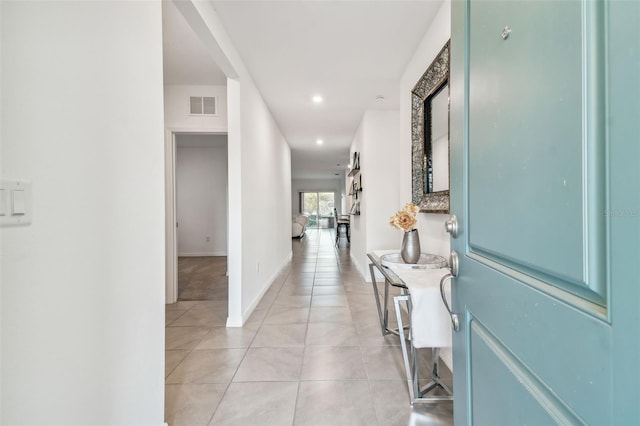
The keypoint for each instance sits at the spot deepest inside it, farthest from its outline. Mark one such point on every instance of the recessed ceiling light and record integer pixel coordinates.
(317, 99)
(379, 98)
(319, 141)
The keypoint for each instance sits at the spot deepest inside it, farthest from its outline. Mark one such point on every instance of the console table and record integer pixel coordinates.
(429, 323)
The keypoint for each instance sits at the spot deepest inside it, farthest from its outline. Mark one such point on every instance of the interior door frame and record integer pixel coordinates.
(171, 216)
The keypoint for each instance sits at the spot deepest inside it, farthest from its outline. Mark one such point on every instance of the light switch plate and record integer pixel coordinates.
(17, 198)
(18, 205)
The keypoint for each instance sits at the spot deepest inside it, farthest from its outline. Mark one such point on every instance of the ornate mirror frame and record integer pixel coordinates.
(430, 82)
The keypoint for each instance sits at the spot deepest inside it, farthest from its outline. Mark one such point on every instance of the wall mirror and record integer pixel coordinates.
(430, 136)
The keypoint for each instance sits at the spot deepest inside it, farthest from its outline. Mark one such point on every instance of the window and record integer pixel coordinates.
(318, 206)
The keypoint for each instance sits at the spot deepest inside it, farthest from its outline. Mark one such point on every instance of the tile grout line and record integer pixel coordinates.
(228, 385)
(304, 346)
(249, 346)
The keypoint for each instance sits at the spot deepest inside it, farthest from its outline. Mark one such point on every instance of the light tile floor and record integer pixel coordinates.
(311, 354)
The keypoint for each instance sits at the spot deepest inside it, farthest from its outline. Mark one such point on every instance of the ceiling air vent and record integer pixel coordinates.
(202, 105)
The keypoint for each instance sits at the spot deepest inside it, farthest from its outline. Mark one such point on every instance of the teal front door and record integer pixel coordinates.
(545, 184)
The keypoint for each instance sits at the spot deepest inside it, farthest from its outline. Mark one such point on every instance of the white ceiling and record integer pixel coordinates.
(347, 51)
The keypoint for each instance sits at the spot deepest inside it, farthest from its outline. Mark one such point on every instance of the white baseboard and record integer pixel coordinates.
(363, 273)
(234, 322)
(203, 254)
(238, 322)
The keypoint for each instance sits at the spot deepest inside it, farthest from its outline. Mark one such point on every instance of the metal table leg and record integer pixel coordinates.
(383, 308)
(411, 366)
(381, 316)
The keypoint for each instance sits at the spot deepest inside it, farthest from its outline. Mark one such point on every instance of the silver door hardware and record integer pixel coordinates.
(505, 32)
(453, 263)
(451, 226)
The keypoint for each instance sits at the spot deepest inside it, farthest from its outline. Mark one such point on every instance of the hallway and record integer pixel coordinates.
(311, 354)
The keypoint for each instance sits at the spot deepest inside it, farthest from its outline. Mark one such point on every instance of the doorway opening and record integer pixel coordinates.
(201, 199)
(197, 222)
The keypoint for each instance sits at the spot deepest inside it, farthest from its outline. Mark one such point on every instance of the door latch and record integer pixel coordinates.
(451, 226)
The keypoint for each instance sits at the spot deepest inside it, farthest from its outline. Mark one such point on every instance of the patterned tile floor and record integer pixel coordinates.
(311, 354)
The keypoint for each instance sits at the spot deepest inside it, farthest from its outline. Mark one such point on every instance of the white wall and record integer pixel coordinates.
(259, 174)
(377, 141)
(316, 185)
(176, 108)
(266, 198)
(358, 225)
(433, 238)
(201, 195)
(82, 287)
(382, 129)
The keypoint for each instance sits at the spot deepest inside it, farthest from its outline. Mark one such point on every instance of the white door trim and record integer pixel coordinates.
(171, 257)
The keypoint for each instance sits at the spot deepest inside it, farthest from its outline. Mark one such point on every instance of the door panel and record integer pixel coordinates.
(546, 337)
(521, 394)
(529, 143)
(535, 150)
